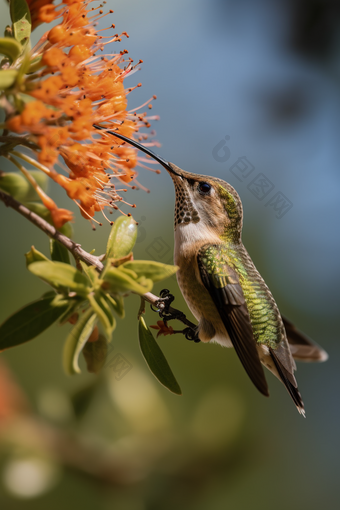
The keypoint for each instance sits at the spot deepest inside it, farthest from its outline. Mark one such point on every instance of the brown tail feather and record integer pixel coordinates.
(302, 348)
(291, 388)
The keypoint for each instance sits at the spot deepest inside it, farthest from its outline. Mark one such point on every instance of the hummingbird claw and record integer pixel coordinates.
(167, 313)
(191, 334)
(164, 303)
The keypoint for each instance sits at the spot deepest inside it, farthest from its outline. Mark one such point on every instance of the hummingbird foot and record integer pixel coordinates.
(168, 313)
(191, 334)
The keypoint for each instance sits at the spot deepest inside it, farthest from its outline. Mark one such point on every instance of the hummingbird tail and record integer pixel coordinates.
(301, 347)
(290, 383)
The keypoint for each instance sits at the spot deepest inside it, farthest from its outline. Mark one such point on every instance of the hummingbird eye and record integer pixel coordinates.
(204, 188)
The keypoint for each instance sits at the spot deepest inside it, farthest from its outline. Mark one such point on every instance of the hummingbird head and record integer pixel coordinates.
(210, 202)
(211, 206)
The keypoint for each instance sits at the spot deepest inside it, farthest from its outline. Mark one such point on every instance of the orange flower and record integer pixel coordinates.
(73, 89)
(42, 11)
(163, 329)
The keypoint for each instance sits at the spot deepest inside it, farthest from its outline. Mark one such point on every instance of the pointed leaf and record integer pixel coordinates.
(35, 64)
(122, 237)
(30, 321)
(58, 273)
(19, 9)
(129, 272)
(74, 304)
(10, 47)
(117, 282)
(7, 78)
(102, 309)
(21, 19)
(58, 252)
(90, 272)
(156, 271)
(155, 359)
(25, 63)
(35, 256)
(76, 341)
(117, 304)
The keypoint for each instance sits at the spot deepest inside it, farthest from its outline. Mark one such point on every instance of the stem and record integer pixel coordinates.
(79, 253)
(39, 222)
(16, 140)
(33, 162)
(29, 177)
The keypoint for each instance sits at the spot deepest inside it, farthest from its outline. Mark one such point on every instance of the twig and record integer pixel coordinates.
(39, 222)
(141, 308)
(79, 253)
(12, 141)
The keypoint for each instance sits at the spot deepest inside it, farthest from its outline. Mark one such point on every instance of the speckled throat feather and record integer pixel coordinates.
(185, 211)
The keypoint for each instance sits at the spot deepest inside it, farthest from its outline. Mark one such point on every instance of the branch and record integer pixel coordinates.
(9, 142)
(39, 222)
(79, 253)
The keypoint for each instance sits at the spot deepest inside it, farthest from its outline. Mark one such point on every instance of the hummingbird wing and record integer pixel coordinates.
(222, 283)
(301, 347)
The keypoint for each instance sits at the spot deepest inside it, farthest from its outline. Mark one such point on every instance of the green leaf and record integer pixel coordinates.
(117, 304)
(102, 309)
(90, 272)
(30, 321)
(76, 341)
(58, 252)
(35, 65)
(10, 47)
(21, 19)
(95, 354)
(19, 9)
(117, 282)
(72, 308)
(156, 271)
(122, 237)
(35, 256)
(129, 273)
(59, 273)
(25, 64)
(7, 78)
(155, 359)
(18, 187)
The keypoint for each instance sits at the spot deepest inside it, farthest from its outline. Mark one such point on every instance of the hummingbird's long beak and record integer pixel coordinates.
(167, 165)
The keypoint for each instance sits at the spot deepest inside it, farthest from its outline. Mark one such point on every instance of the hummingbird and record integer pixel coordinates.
(221, 285)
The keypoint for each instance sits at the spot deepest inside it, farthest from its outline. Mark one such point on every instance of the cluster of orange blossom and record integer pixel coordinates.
(71, 88)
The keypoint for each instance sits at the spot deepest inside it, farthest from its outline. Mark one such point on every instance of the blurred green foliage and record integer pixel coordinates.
(221, 445)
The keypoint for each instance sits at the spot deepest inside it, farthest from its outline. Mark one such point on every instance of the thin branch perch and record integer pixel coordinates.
(79, 253)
